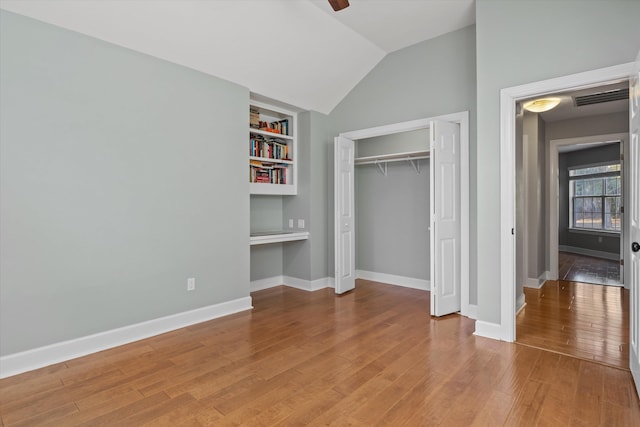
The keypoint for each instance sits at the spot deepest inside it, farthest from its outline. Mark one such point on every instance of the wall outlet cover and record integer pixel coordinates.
(301, 223)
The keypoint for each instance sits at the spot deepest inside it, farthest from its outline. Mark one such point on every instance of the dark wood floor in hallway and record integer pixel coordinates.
(587, 269)
(371, 357)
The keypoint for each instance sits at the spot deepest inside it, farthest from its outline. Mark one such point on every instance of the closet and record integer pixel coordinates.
(392, 188)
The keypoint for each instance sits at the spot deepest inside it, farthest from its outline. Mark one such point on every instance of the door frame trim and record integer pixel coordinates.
(508, 98)
(462, 118)
(552, 189)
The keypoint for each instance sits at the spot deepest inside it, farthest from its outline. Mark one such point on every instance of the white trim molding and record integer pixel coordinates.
(508, 98)
(266, 283)
(552, 188)
(309, 285)
(489, 330)
(392, 279)
(36, 358)
(292, 282)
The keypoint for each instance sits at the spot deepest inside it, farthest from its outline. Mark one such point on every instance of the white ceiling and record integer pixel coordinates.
(299, 52)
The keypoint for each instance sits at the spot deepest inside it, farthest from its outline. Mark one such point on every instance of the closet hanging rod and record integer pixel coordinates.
(395, 157)
(400, 159)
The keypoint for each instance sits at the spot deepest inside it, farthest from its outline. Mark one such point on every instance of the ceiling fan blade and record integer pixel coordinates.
(339, 4)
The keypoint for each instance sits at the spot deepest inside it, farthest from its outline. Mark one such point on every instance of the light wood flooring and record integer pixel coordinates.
(577, 319)
(371, 357)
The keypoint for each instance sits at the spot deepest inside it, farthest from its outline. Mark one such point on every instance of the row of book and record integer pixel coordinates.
(268, 173)
(268, 148)
(280, 126)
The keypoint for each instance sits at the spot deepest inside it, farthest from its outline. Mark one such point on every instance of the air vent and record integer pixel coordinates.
(598, 98)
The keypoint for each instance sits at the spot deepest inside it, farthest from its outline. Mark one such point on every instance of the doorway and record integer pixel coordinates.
(344, 243)
(508, 99)
(584, 181)
(509, 96)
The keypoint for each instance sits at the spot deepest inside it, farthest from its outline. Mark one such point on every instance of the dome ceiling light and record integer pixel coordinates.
(541, 105)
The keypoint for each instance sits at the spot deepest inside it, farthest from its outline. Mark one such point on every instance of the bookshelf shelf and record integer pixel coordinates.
(268, 160)
(272, 155)
(270, 134)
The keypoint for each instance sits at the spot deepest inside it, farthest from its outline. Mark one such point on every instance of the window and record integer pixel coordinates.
(595, 197)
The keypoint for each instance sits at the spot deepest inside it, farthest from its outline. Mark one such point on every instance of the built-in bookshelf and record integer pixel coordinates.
(272, 150)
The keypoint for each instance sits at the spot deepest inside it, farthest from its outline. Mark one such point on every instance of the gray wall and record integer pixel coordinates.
(392, 211)
(577, 36)
(119, 179)
(392, 219)
(297, 255)
(427, 79)
(266, 214)
(402, 142)
(534, 155)
(598, 242)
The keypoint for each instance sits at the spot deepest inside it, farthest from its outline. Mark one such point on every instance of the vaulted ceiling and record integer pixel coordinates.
(299, 52)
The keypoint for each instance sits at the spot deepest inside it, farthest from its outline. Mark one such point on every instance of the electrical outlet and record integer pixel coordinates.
(290, 223)
(191, 283)
(301, 223)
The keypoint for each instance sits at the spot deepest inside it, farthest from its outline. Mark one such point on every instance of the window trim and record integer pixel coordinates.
(617, 173)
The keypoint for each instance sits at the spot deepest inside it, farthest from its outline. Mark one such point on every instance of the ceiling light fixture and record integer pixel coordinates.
(541, 105)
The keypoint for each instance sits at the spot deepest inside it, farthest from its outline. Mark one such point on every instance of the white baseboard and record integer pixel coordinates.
(269, 282)
(488, 330)
(309, 285)
(471, 311)
(537, 283)
(392, 279)
(29, 360)
(293, 282)
(589, 252)
(532, 283)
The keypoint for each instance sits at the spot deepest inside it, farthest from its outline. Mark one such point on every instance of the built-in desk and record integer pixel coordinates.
(277, 236)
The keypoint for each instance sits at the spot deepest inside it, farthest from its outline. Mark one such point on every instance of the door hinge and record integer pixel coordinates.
(621, 156)
(512, 231)
(621, 209)
(621, 262)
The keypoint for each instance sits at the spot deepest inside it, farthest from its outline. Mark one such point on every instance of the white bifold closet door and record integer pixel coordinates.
(344, 240)
(445, 218)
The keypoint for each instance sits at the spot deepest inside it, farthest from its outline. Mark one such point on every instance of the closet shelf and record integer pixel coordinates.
(264, 237)
(382, 159)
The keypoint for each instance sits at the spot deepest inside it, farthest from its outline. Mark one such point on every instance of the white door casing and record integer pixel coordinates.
(634, 221)
(445, 218)
(505, 329)
(345, 268)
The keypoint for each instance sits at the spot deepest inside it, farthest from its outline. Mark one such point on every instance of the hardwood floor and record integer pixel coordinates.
(587, 269)
(578, 319)
(371, 357)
